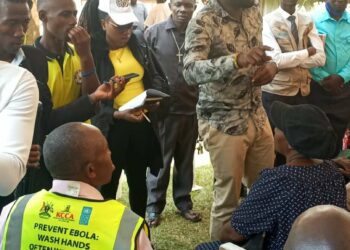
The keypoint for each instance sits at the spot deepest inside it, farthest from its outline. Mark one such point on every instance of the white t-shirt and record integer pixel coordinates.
(19, 99)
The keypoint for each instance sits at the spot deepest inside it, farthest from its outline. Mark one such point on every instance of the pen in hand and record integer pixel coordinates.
(146, 117)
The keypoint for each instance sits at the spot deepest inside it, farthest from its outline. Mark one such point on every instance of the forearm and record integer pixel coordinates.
(16, 132)
(228, 233)
(345, 73)
(211, 70)
(317, 60)
(290, 59)
(80, 110)
(13, 169)
(318, 74)
(143, 242)
(89, 82)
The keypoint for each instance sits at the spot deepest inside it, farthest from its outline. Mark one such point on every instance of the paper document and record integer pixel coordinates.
(149, 96)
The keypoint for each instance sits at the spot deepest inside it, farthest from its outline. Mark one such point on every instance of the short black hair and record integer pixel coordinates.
(2, 2)
(65, 150)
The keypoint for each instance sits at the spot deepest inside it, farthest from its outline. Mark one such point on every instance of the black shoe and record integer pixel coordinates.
(190, 215)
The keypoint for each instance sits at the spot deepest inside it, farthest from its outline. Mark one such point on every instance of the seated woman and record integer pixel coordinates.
(131, 137)
(302, 133)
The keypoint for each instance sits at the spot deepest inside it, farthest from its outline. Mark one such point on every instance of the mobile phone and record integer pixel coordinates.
(129, 76)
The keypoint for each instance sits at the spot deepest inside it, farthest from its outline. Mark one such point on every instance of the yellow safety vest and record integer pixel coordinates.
(50, 221)
(65, 87)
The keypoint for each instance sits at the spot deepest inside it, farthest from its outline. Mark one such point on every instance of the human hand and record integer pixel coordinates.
(130, 115)
(34, 156)
(255, 56)
(81, 40)
(119, 83)
(344, 164)
(333, 84)
(151, 106)
(108, 90)
(311, 51)
(264, 74)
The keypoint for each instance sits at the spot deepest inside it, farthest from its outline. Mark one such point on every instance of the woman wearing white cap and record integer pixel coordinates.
(132, 139)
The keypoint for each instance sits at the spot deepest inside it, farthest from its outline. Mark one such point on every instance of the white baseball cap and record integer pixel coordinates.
(119, 10)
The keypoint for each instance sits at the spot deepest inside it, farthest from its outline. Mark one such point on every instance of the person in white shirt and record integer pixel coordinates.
(78, 158)
(18, 105)
(296, 48)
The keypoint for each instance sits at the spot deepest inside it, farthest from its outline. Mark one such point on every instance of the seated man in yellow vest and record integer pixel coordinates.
(73, 213)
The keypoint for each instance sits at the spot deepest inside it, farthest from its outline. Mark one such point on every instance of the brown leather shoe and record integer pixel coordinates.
(190, 215)
(153, 219)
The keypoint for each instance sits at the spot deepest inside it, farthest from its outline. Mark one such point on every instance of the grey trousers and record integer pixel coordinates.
(178, 140)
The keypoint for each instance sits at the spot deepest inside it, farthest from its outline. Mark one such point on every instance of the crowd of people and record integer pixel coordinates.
(268, 96)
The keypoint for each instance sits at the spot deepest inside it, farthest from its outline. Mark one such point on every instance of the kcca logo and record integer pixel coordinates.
(65, 215)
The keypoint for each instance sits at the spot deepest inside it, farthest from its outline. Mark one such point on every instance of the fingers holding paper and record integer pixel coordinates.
(130, 115)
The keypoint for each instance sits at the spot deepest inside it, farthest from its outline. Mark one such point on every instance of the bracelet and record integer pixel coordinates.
(86, 74)
(234, 60)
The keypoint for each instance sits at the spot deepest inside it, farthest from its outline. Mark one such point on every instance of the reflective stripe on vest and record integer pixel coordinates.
(108, 225)
(13, 237)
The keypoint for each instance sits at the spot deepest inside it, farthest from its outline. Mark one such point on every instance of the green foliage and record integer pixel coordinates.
(174, 232)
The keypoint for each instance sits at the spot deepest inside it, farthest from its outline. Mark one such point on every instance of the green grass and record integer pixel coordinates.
(174, 232)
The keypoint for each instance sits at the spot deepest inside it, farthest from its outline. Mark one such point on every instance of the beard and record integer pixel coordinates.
(245, 4)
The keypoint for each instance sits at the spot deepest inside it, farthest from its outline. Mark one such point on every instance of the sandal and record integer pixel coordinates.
(153, 219)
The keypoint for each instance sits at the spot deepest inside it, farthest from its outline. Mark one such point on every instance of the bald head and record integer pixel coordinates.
(70, 148)
(322, 227)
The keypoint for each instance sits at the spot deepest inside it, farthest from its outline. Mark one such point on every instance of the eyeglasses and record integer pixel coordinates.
(121, 28)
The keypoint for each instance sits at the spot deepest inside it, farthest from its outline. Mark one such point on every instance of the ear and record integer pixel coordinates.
(42, 16)
(103, 24)
(90, 171)
(169, 4)
(195, 7)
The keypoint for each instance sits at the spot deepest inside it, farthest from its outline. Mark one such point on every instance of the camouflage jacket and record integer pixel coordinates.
(226, 97)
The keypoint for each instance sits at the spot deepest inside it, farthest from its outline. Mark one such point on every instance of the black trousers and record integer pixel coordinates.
(178, 139)
(132, 146)
(337, 108)
(268, 99)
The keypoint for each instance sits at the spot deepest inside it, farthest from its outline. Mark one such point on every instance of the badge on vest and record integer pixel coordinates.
(77, 77)
(46, 210)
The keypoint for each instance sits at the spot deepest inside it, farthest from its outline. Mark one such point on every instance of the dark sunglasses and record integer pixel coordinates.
(121, 28)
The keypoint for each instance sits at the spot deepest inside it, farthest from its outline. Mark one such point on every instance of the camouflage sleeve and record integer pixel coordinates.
(198, 67)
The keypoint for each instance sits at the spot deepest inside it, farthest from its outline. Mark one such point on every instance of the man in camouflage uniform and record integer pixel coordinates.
(225, 57)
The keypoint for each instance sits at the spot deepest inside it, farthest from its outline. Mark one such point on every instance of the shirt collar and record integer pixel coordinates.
(20, 56)
(49, 55)
(216, 6)
(75, 189)
(169, 25)
(326, 16)
(285, 14)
